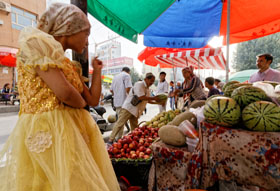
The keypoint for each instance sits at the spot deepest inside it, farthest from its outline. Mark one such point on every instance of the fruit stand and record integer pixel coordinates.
(238, 144)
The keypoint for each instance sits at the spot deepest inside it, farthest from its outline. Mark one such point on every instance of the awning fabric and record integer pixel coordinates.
(126, 17)
(148, 55)
(192, 23)
(8, 56)
(242, 76)
(206, 58)
(107, 78)
(186, 24)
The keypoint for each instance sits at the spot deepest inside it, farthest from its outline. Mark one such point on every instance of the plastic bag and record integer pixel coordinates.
(180, 103)
(277, 89)
(267, 88)
(192, 143)
(188, 129)
(199, 114)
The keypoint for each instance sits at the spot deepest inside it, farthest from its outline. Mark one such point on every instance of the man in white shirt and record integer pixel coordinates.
(265, 73)
(162, 88)
(120, 88)
(131, 112)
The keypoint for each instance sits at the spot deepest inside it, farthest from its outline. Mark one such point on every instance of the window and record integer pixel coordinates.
(21, 18)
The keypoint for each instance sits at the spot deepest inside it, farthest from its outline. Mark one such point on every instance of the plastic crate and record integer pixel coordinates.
(135, 171)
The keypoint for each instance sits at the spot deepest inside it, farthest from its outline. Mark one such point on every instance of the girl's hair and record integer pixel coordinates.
(5, 85)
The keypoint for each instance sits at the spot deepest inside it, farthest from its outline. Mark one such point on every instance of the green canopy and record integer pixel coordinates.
(128, 18)
(242, 76)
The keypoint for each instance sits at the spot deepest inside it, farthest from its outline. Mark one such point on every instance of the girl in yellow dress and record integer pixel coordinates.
(56, 145)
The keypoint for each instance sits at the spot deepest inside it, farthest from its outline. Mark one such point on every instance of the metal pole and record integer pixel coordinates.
(228, 33)
(82, 58)
(198, 67)
(174, 75)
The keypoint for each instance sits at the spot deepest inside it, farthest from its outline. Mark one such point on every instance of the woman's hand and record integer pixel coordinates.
(96, 63)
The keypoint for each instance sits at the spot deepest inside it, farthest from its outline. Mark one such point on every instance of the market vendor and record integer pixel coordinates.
(265, 73)
(132, 112)
(192, 86)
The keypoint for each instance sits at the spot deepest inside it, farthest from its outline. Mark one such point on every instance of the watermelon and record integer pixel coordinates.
(216, 95)
(246, 95)
(262, 116)
(232, 87)
(162, 97)
(272, 83)
(222, 111)
(112, 118)
(229, 83)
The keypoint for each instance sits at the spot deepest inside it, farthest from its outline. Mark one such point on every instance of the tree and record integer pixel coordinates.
(135, 77)
(245, 55)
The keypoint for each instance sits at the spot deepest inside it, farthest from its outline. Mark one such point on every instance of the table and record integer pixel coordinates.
(245, 157)
(169, 168)
(234, 155)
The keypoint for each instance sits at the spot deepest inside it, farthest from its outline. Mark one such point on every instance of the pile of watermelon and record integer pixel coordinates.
(243, 105)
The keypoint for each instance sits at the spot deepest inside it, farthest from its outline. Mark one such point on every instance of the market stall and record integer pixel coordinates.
(236, 143)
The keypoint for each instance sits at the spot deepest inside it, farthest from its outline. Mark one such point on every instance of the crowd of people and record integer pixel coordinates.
(180, 95)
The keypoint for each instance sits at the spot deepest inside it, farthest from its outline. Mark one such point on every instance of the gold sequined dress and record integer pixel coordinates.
(53, 147)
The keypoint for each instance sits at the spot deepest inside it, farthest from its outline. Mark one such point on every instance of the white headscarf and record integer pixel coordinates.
(63, 20)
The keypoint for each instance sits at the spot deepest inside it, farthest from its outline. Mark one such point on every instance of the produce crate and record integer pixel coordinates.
(136, 171)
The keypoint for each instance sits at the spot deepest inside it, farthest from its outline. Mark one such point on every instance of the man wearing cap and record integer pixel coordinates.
(133, 112)
(265, 73)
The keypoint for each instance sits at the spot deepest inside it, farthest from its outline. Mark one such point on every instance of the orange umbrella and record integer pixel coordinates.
(8, 60)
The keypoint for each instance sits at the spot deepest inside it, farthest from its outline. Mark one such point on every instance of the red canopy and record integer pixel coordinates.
(204, 58)
(8, 56)
(8, 60)
(250, 19)
(149, 53)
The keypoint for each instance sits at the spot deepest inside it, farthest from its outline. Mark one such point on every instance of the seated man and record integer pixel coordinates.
(209, 83)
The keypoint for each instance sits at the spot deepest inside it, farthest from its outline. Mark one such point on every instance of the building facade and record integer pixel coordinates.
(114, 66)
(14, 16)
(109, 51)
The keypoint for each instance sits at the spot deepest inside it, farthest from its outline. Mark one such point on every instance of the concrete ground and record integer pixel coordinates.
(8, 120)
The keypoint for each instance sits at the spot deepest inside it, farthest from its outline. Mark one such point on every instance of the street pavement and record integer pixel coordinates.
(9, 120)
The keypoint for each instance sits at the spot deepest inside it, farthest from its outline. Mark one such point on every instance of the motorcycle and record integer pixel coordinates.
(97, 114)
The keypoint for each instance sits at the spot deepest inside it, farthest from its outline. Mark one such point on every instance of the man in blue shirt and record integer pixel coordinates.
(209, 83)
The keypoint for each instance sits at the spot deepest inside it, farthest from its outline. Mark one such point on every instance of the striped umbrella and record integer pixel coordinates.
(204, 58)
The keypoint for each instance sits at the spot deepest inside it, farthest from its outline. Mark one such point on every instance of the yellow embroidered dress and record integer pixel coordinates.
(53, 147)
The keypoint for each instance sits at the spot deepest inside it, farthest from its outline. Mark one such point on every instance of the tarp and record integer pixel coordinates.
(127, 17)
(204, 58)
(242, 76)
(191, 24)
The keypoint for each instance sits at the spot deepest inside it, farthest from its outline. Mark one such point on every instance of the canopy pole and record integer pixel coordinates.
(228, 33)
(174, 75)
(198, 67)
(82, 58)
